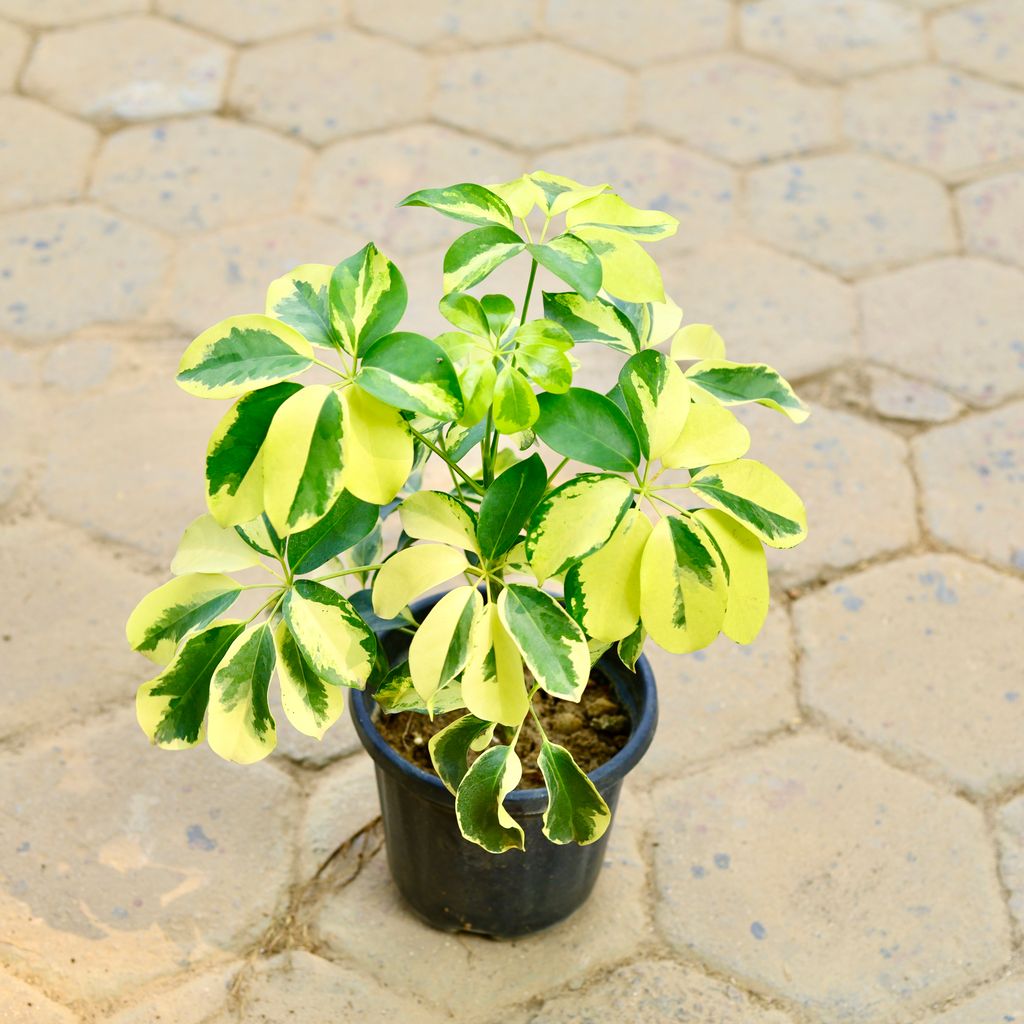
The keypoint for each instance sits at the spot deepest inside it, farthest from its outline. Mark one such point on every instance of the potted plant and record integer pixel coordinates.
(556, 578)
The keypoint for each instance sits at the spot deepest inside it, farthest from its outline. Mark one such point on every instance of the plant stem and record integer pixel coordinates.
(348, 572)
(327, 366)
(671, 504)
(440, 454)
(486, 457)
(529, 292)
(558, 469)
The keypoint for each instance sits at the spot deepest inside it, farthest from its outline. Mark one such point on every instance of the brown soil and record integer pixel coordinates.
(593, 731)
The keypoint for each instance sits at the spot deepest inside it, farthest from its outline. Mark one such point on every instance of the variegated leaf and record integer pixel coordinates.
(301, 299)
(411, 572)
(612, 212)
(493, 683)
(449, 748)
(630, 647)
(240, 354)
(347, 522)
(368, 297)
(557, 194)
(466, 202)
(628, 272)
(241, 727)
(657, 396)
(552, 644)
(519, 194)
(654, 322)
(595, 320)
(439, 649)
(396, 693)
(378, 448)
(474, 255)
(576, 812)
(409, 371)
(206, 546)
(740, 383)
(479, 803)
(465, 312)
(436, 516)
(711, 434)
(310, 703)
(572, 260)
(515, 404)
(698, 341)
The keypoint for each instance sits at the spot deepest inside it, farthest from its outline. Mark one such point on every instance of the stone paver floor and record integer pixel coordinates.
(830, 825)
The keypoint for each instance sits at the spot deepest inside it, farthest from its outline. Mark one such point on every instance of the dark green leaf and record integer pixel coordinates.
(348, 522)
(508, 504)
(590, 428)
(449, 749)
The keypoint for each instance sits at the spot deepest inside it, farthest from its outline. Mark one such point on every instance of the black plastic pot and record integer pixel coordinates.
(453, 884)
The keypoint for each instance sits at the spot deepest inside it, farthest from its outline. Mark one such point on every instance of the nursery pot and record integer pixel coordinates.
(453, 884)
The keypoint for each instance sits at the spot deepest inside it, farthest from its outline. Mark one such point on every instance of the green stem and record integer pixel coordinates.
(486, 455)
(327, 366)
(440, 454)
(348, 572)
(277, 597)
(671, 504)
(529, 292)
(558, 469)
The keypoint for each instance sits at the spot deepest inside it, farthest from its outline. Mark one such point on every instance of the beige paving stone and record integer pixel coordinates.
(768, 307)
(226, 272)
(128, 69)
(972, 484)
(985, 37)
(922, 658)
(300, 986)
(25, 1005)
(17, 367)
(849, 212)
(655, 992)
(143, 494)
(701, 193)
(198, 174)
(854, 479)
(1001, 1003)
(1011, 854)
(447, 22)
(992, 217)
(900, 398)
(107, 886)
(331, 83)
(836, 38)
(532, 94)
(760, 111)
(57, 582)
(359, 182)
(184, 999)
(46, 13)
(249, 21)
(411, 958)
(343, 801)
(720, 698)
(20, 427)
(339, 741)
(44, 156)
(13, 47)
(946, 121)
(80, 364)
(820, 873)
(642, 33)
(116, 267)
(956, 322)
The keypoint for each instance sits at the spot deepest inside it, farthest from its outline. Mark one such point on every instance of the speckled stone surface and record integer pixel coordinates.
(992, 215)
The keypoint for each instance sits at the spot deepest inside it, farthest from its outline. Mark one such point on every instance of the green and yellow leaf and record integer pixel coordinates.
(574, 520)
(465, 312)
(301, 299)
(556, 194)
(206, 546)
(614, 213)
(440, 517)
(409, 371)
(186, 603)
(477, 380)
(631, 647)
(368, 298)
(571, 259)
(711, 434)
(683, 589)
(698, 341)
(396, 693)
(603, 590)
(756, 497)
(493, 683)
(411, 572)
(240, 354)
(595, 320)
(576, 812)
(241, 727)
(515, 404)
(479, 803)
(261, 536)
(628, 272)
(440, 647)
(378, 452)
(552, 644)
(519, 194)
(347, 522)
(310, 703)
(740, 383)
(467, 202)
(449, 748)
(334, 640)
(474, 255)
(657, 396)
(302, 467)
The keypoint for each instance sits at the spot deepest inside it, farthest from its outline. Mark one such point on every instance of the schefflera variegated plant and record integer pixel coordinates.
(545, 574)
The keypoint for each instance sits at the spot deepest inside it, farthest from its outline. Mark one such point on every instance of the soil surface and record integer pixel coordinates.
(593, 731)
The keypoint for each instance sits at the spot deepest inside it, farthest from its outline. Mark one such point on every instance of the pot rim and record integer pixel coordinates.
(528, 801)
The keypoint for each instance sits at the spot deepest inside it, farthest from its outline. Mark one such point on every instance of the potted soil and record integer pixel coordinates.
(503, 712)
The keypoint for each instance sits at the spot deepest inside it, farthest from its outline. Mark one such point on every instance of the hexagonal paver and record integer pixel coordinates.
(13, 47)
(992, 216)
(330, 83)
(946, 121)
(840, 465)
(650, 172)
(654, 992)
(957, 322)
(44, 156)
(833, 37)
(185, 999)
(107, 885)
(200, 173)
(724, 697)
(610, 926)
(1001, 1003)
(54, 573)
(142, 494)
(243, 21)
(972, 482)
(128, 69)
(900, 398)
(512, 92)
(116, 267)
(655, 31)
(66, 12)
(985, 37)
(358, 182)
(1011, 853)
(885, 658)
(227, 272)
(823, 874)
(760, 111)
(768, 307)
(25, 1005)
(851, 213)
(446, 21)
(339, 741)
